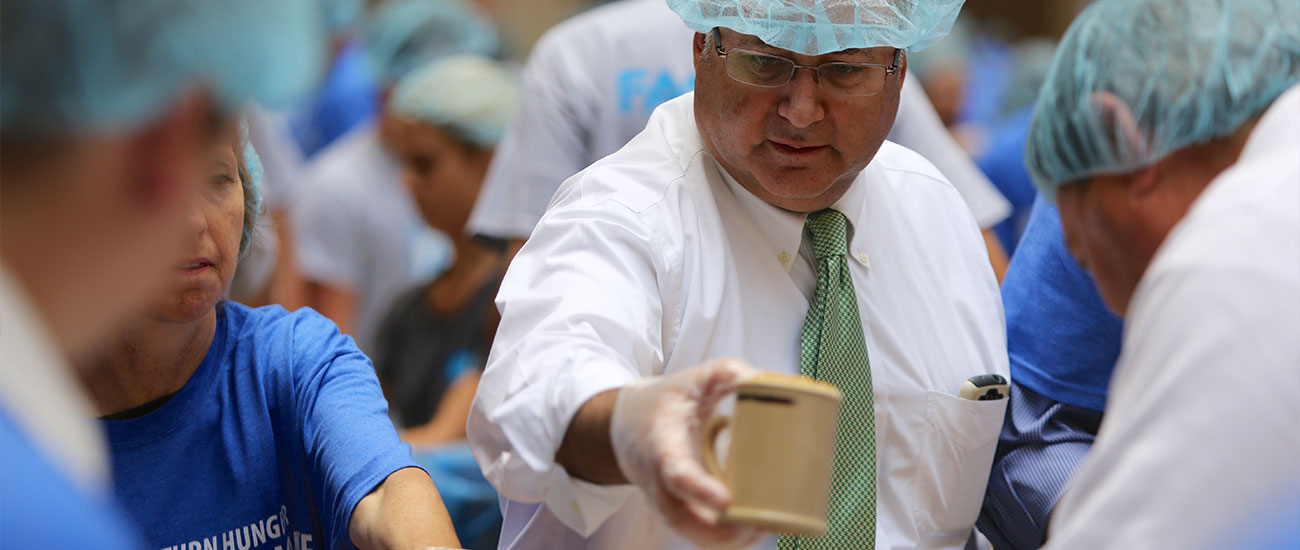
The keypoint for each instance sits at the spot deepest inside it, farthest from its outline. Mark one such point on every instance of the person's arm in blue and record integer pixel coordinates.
(368, 489)
(1063, 344)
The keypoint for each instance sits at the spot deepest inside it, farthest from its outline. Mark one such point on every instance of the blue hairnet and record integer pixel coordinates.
(1135, 80)
(340, 15)
(404, 34)
(70, 66)
(469, 95)
(825, 26)
(252, 186)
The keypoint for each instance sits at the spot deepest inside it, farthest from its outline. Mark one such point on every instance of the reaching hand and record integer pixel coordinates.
(656, 435)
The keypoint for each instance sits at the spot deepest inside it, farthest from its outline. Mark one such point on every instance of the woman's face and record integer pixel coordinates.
(442, 173)
(201, 277)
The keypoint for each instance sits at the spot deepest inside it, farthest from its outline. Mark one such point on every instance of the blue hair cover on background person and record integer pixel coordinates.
(818, 28)
(1107, 106)
(252, 187)
(71, 66)
(471, 96)
(402, 35)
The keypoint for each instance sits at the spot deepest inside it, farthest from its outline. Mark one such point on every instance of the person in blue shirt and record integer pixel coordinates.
(1063, 344)
(256, 427)
(105, 110)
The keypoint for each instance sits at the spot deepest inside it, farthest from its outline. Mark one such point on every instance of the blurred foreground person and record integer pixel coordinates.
(234, 422)
(103, 138)
(432, 345)
(763, 217)
(1168, 134)
(590, 86)
(359, 240)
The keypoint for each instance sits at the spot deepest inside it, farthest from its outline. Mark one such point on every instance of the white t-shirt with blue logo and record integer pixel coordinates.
(270, 445)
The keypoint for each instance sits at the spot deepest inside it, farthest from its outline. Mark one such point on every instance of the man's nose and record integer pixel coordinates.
(802, 105)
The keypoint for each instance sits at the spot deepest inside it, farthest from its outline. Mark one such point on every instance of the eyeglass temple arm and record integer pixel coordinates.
(898, 61)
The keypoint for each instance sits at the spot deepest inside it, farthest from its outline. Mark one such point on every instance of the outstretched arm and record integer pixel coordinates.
(403, 512)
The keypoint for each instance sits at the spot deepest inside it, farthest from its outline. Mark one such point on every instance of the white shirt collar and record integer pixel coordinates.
(783, 229)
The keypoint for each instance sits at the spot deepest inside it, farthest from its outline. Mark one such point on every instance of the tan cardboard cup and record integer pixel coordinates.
(779, 460)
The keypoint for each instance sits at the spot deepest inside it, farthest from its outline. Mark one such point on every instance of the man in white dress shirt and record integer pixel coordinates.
(1169, 133)
(689, 245)
(590, 85)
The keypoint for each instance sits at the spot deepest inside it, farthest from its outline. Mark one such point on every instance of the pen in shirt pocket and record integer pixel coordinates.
(984, 387)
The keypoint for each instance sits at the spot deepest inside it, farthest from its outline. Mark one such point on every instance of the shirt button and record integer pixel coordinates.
(783, 258)
(862, 257)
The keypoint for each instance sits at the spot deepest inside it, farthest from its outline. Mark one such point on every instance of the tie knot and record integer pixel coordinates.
(829, 231)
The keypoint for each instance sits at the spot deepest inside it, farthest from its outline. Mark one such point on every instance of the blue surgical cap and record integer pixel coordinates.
(1136, 80)
(471, 96)
(825, 26)
(341, 15)
(404, 34)
(252, 187)
(70, 66)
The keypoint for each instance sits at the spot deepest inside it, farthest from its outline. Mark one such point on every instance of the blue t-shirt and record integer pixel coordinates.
(1062, 339)
(41, 508)
(270, 445)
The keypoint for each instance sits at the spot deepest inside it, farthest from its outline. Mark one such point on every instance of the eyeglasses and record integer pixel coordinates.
(773, 71)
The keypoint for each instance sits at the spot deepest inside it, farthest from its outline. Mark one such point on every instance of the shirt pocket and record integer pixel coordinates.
(957, 452)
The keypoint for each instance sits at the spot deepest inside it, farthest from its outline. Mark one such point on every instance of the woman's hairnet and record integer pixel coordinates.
(469, 95)
(404, 34)
(825, 26)
(1135, 80)
(68, 66)
(251, 174)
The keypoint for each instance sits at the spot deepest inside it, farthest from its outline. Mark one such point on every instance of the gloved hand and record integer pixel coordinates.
(656, 434)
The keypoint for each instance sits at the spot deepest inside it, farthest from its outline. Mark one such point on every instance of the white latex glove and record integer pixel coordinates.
(656, 434)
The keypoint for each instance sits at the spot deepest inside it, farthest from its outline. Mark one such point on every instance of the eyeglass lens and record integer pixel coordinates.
(770, 71)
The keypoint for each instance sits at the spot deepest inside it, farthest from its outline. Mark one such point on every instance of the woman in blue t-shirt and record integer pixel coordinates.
(231, 427)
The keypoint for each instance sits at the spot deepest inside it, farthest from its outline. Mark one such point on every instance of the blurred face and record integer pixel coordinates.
(796, 147)
(442, 173)
(199, 278)
(1104, 235)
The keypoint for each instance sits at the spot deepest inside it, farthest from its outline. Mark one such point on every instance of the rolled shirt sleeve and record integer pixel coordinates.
(581, 314)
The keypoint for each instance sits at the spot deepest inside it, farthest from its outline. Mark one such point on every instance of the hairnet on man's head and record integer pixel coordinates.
(69, 66)
(824, 26)
(1135, 80)
(471, 96)
(401, 35)
(251, 174)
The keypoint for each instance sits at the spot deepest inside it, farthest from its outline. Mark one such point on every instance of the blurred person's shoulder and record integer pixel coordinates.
(629, 21)
(604, 34)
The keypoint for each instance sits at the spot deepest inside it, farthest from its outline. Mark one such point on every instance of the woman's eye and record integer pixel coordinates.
(222, 178)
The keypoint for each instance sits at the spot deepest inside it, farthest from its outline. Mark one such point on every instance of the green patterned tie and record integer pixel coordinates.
(834, 349)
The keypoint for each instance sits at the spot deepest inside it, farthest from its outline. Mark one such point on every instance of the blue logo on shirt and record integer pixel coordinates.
(640, 90)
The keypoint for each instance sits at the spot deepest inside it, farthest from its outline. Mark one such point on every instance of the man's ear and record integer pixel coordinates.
(1145, 181)
(697, 47)
(166, 152)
